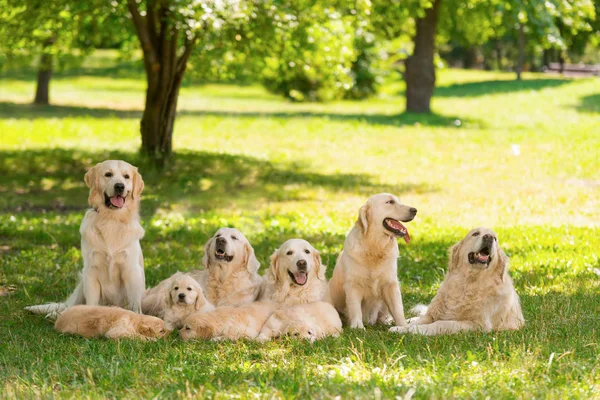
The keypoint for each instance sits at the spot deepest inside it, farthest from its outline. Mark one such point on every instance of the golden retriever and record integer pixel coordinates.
(230, 277)
(311, 321)
(364, 286)
(109, 322)
(228, 322)
(477, 293)
(174, 299)
(296, 275)
(113, 265)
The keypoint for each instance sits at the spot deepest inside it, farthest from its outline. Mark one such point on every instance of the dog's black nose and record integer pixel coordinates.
(413, 210)
(487, 237)
(301, 264)
(221, 241)
(119, 187)
(182, 295)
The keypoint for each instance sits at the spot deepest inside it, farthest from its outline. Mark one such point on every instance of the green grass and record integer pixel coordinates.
(278, 170)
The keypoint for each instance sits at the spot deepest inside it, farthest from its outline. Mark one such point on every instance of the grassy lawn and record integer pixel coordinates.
(278, 170)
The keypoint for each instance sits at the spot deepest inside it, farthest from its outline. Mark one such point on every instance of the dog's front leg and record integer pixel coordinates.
(134, 284)
(354, 305)
(393, 300)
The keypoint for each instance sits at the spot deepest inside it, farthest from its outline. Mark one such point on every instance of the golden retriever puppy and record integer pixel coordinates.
(477, 293)
(228, 322)
(296, 275)
(113, 265)
(311, 321)
(364, 286)
(230, 277)
(109, 322)
(174, 299)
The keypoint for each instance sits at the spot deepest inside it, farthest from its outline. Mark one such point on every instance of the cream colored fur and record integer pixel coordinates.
(279, 286)
(228, 322)
(472, 296)
(113, 265)
(234, 282)
(109, 322)
(364, 286)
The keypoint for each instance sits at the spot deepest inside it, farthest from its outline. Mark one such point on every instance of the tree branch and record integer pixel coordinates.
(142, 31)
(151, 18)
(188, 45)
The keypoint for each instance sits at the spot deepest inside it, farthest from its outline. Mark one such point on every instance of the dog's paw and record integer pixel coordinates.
(399, 329)
(357, 325)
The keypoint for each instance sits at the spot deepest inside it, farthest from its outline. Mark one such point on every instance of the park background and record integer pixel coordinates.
(290, 114)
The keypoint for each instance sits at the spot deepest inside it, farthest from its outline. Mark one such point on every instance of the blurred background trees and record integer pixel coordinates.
(304, 50)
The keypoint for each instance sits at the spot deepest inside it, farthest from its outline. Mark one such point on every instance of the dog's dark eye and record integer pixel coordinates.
(219, 235)
(189, 288)
(176, 288)
(234, 237)
(296, 334)
(126, 176)
(289, 253)
(307, 251)
(187, 328)
(476, 234)
(391, 201)
(108, 174)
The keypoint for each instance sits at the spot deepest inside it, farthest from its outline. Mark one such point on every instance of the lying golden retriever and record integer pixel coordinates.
(230, 277)
(109, 322)
(364, 286)
(174, 299)
(113, 265)
(311, 321)
(296, 275)
(477, 293)
(228, 322)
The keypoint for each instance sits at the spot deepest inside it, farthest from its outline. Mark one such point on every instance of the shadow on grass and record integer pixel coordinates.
(10, 110)
(476, 89)
(589, 104)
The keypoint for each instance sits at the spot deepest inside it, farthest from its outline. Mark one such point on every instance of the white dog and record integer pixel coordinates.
(230, 277)
(113, 265)
(174, 299)
(364, 285)
(477, 293)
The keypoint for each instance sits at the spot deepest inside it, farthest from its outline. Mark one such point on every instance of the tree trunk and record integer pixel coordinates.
(499, 55)
(43, 80)
(420, 71)
(521, 57)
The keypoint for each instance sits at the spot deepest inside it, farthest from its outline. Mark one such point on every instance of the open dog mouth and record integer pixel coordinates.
(115, 202)
(299, 278)
(396, 228)
(481, 257)
(221, 255)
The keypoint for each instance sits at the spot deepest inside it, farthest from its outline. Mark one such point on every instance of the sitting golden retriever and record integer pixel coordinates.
(311, 321)
(477, 293)
(228, 322)
(364, 286)
(109, 322)
(296, 275)
(174, 299)
(230, 277)
(113, 265)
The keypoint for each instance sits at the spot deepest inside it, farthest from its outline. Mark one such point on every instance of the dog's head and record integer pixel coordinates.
(478, 250)
(152, 327)
(195, 327)
(185, 290)
(301, 330)
(298, 262)
(229, 246)
(114, 185)
(382, 213)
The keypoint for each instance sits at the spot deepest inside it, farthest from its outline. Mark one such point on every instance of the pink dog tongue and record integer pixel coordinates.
(300, 278)
(407, 237)
(398, 226)
(117, 201)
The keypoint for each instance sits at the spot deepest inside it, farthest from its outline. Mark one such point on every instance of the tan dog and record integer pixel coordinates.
(174, 299)
(296, 275)
(228, 322)
(230, 277)
(364, 286)
(109, 322)
(113, 265)
(477, 293)
(312, 321)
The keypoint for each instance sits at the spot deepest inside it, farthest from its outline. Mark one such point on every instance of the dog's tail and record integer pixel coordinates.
(53, 310)
(419, 310)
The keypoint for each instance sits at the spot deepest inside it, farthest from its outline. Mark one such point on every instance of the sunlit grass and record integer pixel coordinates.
(278, 170)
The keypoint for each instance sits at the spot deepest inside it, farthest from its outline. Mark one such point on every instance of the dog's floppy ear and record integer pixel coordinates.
(250, 260)
(364, 215)
(200, 299)
(455, 255)
(206, 257)
(502, 264)
(138, 184)
(92, 178)
(274, 266)
(319, 267)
